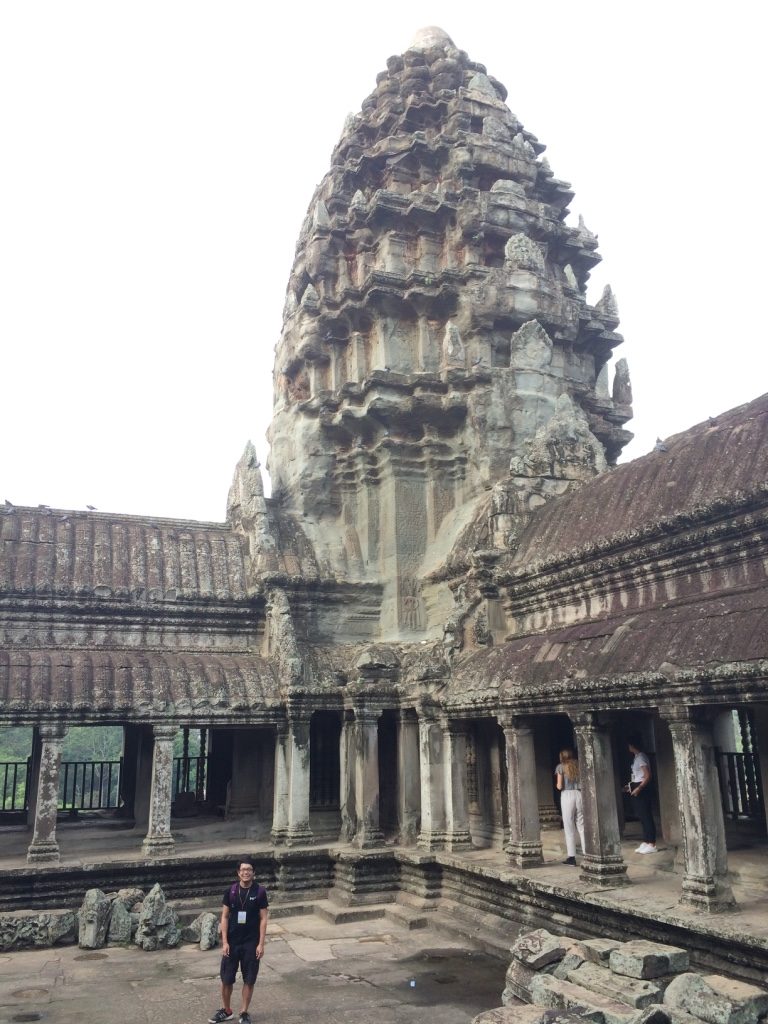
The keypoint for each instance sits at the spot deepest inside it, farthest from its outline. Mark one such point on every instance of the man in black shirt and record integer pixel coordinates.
(243, 930)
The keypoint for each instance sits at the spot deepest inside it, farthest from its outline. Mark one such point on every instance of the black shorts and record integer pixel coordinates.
(244, 957)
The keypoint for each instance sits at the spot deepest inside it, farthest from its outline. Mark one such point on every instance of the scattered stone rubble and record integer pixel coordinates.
(119, 918)
(564, 980)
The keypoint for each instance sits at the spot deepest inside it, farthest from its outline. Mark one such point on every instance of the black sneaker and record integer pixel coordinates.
(245, 1018)
(220, 1016)
(570, 860)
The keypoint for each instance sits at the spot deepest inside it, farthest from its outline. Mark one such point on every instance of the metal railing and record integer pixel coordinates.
(189, 776)
(90, 785)
(740, 787)
(14, 784)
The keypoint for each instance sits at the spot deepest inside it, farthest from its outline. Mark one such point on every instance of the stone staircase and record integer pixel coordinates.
(563, 980)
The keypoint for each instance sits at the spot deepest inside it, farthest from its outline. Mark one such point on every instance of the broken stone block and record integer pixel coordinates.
(631, 991)
(510, 1015)
(655, 1013)
(518, 979)
(209, 931)
(204, 929)
(597, 951)
(539, 948)
(570, 962)
(565, 995)
(25, 930)
(642, 959)
(716, 999)
(93, 920)
(158, 923)
(130, 897)
(119, 931)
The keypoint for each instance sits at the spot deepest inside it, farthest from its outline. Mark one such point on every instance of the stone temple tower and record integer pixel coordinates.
(437, 342)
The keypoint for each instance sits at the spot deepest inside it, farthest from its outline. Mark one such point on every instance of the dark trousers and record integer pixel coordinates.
(642, 805)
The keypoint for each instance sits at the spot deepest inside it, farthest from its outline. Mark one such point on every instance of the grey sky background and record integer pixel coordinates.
(159, 158)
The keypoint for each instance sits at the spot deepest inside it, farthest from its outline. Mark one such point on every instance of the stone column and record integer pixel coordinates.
(365, 753)
(347, 779)
(705, 882)
(524, 849)
(280, 794)
(158, 841)
(457, 836)
(432, 834)
(602, 864)
(408, 785)
(298, 832)
(44, 848)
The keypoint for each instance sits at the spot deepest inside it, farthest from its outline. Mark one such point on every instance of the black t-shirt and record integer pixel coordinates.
(250, 900)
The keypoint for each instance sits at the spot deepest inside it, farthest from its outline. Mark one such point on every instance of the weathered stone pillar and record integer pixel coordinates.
(347, 778)
(408, 784)
(298, 831)
(44, 848)
(280, 796)
(705, 883)
(365, 752)
(457, 835)
(432, 834)
(524, 849)
(602, 863)
(158, 841)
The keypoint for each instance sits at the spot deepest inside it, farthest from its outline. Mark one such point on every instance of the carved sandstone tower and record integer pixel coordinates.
(435, 314)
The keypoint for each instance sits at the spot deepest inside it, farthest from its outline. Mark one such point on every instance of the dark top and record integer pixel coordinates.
(251, 901)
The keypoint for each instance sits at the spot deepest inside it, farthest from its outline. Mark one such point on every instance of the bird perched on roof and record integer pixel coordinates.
(91, 508)
(659, 446)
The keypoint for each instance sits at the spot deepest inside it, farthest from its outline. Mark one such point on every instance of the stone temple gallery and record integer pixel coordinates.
(371, 672)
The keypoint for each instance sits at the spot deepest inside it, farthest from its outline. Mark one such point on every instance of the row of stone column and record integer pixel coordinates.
(432, 792)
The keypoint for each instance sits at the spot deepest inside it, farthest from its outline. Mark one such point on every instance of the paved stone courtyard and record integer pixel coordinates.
(359, 972)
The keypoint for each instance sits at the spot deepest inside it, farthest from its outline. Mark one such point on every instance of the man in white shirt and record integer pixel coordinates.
(638, 788)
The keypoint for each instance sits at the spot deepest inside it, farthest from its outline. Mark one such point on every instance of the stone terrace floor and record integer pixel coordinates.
(655, 888)
(357, 973)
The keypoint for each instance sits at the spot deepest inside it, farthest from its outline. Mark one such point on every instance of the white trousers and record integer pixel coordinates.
(573, 819)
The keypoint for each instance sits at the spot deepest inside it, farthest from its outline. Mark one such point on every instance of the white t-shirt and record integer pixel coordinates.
(641, 761)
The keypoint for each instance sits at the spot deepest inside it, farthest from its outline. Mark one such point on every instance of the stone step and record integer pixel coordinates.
(565, 995)
(481, 931)
(632, 991)
(337, 913)
(406, 917)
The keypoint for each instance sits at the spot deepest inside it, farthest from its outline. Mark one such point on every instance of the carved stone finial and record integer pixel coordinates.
(482, 84)
(622, 386)
(530, 347)
(587, 237)
(320, 218)
(453, 347)
(247, 511)
(564, 448)
(607, 305)
(431, 36)
(522, 253)
(601, 384)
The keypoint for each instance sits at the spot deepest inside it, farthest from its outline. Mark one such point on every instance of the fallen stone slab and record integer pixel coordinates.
(632, 991)
(656, 1013)
(518, 982)
(716, 999)
(569, 963)
(27, 930)
(642, 959)
(158, 923)
(93, 920)
(120, 929)
(525, 1014)
(565, 995)
(597, 951)
(538, 948)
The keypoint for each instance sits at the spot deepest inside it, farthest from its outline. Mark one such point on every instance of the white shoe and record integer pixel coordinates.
(648, 849)
(642, 848)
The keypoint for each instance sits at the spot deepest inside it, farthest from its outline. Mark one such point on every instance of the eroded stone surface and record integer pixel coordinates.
(538, 948)
(641, 959)
(158, 923)
(93, 920)
(716, 999)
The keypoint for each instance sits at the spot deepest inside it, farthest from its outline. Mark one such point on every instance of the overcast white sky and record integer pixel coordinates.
(158, 158)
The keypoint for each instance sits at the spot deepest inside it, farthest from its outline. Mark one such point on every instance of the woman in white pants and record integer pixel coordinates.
(568, 782)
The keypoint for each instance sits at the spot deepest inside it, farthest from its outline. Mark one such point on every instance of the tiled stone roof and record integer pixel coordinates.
(80, 554)
(100, 684)
(713, 462)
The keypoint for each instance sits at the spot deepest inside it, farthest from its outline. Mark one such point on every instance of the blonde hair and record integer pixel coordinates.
(570, 764)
